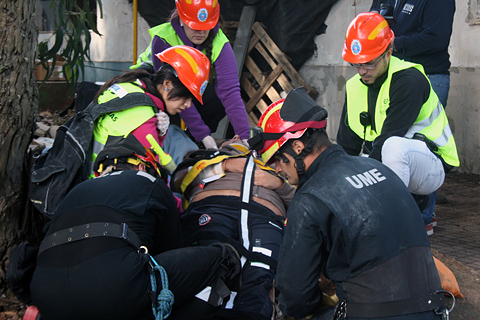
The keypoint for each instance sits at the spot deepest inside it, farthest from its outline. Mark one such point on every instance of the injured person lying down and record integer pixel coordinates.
(231, 197)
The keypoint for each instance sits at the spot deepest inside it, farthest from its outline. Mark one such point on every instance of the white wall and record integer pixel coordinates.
(327, 72)
(117, 23)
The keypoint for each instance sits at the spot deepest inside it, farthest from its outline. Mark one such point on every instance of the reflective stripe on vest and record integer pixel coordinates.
(167, 33)
(431, 121)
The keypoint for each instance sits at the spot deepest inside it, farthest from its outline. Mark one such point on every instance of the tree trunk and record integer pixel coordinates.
(18, 109)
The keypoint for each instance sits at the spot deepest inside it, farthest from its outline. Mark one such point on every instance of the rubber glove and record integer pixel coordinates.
(209, 142)
(163, 121)
(245, 142)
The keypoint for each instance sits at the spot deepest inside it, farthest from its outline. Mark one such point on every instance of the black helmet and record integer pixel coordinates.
(120, 150)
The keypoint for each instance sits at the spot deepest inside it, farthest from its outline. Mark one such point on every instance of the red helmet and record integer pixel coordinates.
(368, 36)
(199, 14)
(192, 67)
(287, 119)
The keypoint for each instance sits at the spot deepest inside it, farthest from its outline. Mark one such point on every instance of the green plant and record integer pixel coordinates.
(72, 39)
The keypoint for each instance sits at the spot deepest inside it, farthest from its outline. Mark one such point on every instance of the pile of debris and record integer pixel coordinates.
(47, 125)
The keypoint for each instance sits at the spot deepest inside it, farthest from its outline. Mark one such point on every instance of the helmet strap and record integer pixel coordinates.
(299, 163)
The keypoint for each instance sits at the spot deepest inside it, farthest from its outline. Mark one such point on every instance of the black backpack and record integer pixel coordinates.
(67, 162)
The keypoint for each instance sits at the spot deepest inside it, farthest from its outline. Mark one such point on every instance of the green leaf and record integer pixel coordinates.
(71, 25)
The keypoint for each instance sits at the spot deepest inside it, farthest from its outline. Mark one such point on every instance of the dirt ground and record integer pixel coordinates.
(462, 192)
(456, 241)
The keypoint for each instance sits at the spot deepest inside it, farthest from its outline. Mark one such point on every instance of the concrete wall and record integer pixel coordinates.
(113, 51)
(327, 72)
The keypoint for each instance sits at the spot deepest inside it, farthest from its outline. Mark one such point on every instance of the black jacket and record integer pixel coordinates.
(353, 219)
(136, 198)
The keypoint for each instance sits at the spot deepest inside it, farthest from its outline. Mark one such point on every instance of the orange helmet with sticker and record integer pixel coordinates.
(199, 14)
(191, 65)
(368, 36)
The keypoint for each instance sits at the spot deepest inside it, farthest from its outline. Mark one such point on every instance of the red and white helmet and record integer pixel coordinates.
(287, 119)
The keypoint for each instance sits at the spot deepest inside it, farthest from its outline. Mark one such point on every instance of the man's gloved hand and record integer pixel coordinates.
(163, 121)
(209, 142)
(245, 142)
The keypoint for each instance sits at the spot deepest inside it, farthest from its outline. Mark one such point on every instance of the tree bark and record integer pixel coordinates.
(18, 109)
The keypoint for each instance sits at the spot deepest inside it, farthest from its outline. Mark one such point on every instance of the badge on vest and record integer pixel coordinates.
(119, 91)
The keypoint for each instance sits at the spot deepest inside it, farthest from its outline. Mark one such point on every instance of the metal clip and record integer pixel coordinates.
(445, 314)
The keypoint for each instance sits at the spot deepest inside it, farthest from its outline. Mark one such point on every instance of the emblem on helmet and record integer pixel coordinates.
(203, 87)
(356, 47)
(202, 15)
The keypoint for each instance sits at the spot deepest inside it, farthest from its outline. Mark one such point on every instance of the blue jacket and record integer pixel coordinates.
(422, 32)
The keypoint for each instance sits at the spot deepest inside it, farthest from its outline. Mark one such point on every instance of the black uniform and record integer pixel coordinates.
(105, 277)
(353, 219)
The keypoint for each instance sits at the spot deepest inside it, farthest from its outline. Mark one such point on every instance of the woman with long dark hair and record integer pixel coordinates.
(182, 78)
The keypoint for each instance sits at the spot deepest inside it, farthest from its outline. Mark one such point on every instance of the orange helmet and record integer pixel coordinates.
(192, 67)
(368, 36)
(287, 119)
(198, 14)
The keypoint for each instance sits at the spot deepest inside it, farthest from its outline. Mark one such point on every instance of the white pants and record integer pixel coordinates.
(417, 166)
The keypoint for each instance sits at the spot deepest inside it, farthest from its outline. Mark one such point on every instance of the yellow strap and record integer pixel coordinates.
(199, 166)
(202, 164)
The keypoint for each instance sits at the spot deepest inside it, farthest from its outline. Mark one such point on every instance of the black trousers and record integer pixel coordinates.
(116, 284)
(218, 218)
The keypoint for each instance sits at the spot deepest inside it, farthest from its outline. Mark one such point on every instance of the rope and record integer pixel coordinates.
(162, 304)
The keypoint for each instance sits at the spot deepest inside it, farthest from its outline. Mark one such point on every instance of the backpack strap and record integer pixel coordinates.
(130, 100)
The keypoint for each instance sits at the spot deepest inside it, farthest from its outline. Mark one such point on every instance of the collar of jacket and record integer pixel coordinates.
(326, 156)
(181, 33)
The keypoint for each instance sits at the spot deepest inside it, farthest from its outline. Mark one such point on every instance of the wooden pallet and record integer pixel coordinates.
(267, 75)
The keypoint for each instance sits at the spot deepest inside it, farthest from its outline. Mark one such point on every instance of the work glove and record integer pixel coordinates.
(163, 121)
(209, 143)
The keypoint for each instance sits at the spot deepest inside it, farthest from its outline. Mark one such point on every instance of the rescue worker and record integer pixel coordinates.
(196, 24)
(115, 245)
(391, 112)
(233, 200)
(183, 77)
(415, 42)
(351, 219)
